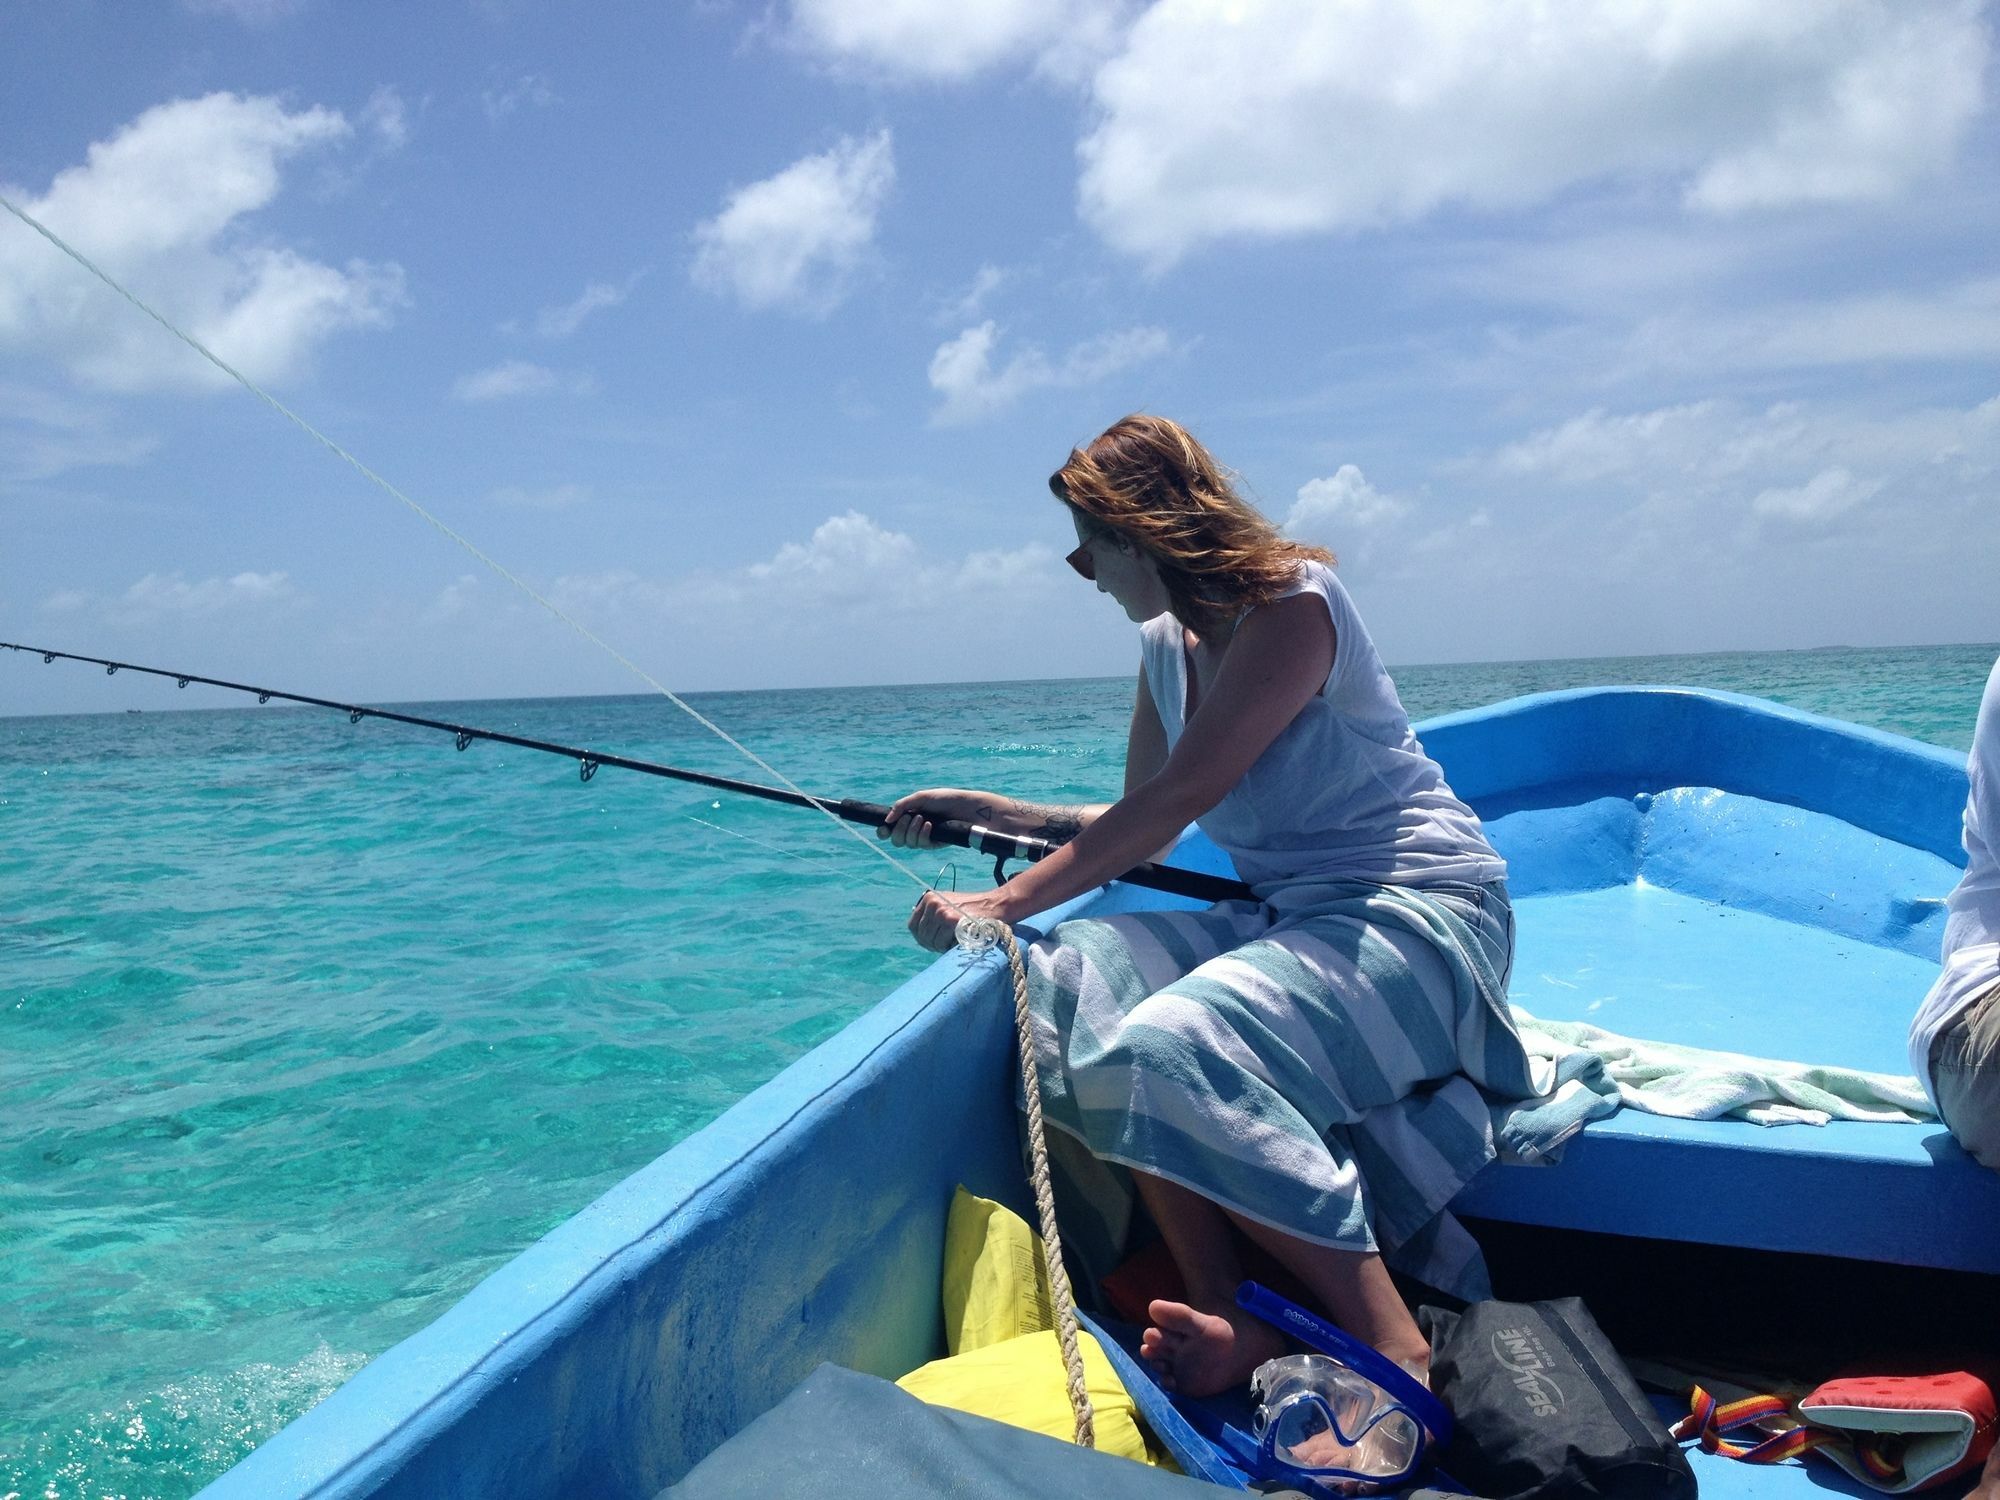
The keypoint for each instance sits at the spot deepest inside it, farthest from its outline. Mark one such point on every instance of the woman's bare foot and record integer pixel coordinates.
(1199, 1353)
(1413, 1356)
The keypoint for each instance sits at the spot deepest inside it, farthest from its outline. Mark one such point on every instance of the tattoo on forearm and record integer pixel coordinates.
(1056, 824)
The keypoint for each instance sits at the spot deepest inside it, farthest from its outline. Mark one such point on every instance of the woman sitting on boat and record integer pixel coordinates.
(1314, 1070)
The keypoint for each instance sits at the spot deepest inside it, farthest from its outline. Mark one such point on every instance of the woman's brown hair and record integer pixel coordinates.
(1149, 481)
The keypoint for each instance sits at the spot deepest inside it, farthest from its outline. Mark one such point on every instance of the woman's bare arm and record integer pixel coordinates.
(1145, 752)
(1279, 660)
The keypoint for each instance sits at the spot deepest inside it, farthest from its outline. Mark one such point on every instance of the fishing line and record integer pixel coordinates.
(974, 935)
(374, 478)
(804, 859)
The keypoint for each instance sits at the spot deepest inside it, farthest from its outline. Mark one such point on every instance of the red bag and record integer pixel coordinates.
(1894, 1433)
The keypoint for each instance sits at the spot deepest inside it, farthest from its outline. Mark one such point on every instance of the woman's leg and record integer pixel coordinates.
(1206, 1344)
(1354, 1286)
(1209, 1344)
(1276, 1073)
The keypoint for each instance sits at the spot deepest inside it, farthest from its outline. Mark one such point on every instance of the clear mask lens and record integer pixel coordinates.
(1315, 1414)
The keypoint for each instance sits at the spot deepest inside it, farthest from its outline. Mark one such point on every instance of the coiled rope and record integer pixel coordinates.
(974, 936)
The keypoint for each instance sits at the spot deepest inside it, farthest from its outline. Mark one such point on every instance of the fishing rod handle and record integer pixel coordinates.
(962, 835)
(1005, 846)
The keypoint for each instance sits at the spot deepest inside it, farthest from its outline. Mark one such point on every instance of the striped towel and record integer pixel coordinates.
(1326, 1062)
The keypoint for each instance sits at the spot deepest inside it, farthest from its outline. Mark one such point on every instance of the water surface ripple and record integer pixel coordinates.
(306, 1026)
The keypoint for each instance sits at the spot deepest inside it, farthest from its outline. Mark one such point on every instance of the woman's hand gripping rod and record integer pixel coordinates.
(1005, 846)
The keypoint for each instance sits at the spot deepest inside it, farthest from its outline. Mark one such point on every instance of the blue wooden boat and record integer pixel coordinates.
(1687, 866)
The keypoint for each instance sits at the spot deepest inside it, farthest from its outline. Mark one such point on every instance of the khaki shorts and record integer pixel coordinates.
(1965, 1070)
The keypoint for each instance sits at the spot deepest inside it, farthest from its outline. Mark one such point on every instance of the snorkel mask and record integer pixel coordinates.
(1345, 1417)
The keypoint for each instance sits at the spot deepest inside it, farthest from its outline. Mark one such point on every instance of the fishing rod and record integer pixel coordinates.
(1001, 846)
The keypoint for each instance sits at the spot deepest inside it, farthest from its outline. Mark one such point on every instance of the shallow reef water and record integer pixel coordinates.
(306, 1026)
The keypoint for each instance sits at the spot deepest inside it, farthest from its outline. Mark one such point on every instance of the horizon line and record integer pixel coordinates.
(862, 687)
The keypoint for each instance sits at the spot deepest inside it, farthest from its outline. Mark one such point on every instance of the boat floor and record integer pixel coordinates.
(1807, 1318)
(1646, 961)
(1797, 1317)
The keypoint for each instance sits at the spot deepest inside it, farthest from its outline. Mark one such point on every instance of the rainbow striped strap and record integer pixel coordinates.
(1708, 1419)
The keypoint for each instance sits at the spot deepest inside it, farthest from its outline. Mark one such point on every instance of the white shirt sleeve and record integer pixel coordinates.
(1971, 957)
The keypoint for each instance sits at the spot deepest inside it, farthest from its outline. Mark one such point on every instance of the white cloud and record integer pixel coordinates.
(796, 239)
(1328, 510)
(1781, 451)
(1009, 573)
(949, 40)
(1319, 117)
(969, 303)
(845, 558)
(1631, 342)
(249, 12)
(1706, 525)
(385, 118)
(560, 322)
(44, 435)
(1957, 322)
(453, 600)
(1598, 445)
(160, 207)
(852, 599)
(612, 591)
(172, 594)
(1655, 480)
(518, 377)
(851, 567)
(852, 560)
(1826, 495)
(529, 91)
(554, 497)
(962, 369)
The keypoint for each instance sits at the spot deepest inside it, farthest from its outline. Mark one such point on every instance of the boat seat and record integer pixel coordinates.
(1720, 920)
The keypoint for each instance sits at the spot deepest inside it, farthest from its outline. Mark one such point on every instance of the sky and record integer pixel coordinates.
(747, 334)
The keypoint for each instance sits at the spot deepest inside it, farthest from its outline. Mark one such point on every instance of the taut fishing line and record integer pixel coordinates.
(973, 935)
(979, 939)
(804, 859)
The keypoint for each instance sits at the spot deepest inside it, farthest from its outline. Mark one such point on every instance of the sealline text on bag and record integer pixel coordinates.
(1545, 1408)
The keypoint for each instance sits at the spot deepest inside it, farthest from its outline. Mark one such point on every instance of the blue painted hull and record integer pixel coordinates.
(1689, 866)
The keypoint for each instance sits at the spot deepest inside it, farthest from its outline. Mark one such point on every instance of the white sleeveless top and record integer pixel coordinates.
(1971, 955)
(1345, 792)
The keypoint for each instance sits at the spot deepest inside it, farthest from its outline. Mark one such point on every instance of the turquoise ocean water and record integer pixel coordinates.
(306, 1026)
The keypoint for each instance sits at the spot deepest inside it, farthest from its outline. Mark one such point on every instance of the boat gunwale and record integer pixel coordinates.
(359, 1440)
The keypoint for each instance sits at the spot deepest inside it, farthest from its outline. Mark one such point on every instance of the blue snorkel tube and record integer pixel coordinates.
(1404, 1391)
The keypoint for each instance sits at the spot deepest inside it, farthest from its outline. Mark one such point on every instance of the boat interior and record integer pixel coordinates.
(1725, 879)
(1687, 866)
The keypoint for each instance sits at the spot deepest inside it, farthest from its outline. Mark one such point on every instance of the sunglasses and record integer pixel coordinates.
(1083, 559)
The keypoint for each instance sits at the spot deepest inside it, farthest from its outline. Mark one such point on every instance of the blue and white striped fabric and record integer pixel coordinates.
(1326, 1062)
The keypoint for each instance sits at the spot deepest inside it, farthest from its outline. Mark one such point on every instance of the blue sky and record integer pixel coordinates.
(749, 333)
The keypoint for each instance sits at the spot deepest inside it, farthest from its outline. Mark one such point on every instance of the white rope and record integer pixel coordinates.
(972, 936)
(985, 931)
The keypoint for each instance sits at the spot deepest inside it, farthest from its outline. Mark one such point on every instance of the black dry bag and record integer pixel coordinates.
(1545, 1409)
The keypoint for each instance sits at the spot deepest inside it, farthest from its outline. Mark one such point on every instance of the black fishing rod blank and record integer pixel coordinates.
(1002, 847)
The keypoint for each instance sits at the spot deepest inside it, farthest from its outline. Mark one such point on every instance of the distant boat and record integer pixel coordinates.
(1687, 866)
(135, 710)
